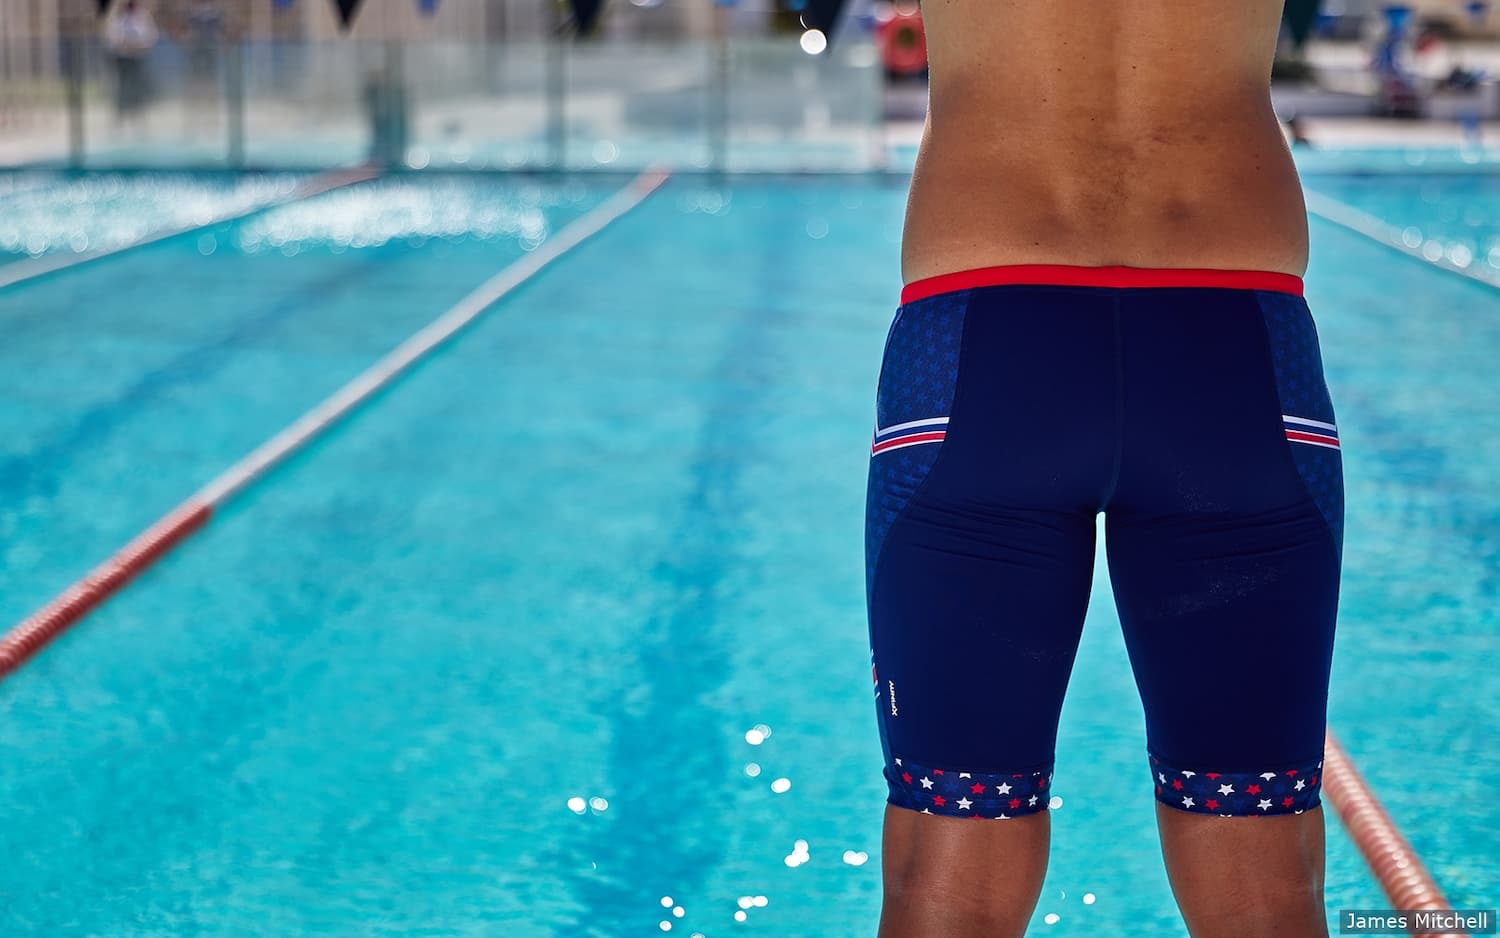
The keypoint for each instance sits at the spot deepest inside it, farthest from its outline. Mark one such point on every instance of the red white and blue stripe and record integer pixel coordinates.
(911, 433)
(1312, 432)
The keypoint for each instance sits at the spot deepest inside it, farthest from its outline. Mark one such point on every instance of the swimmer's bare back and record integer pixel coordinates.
(1102, 132)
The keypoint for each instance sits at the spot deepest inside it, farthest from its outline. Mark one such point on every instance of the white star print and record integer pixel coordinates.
(964, 803)
(1268, 775)
(926, 782)
(1187, 802)
(1320, 765)
(1298, 811)
(1003, 817)
(898, 761)
(1188, 774)
(1226, 789)
(964, 775)
(1003, 789)
(1264, 804)
(925, 811)
(1162, 777)
(1031, 800)
(1299, 784)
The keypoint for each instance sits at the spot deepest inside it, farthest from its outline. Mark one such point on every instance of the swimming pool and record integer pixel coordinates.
(47, 213)
(583, 552)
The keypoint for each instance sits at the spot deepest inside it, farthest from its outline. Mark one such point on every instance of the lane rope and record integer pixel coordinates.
(27, 638)
(22, 271)
(1406, 882)
(1395, 865)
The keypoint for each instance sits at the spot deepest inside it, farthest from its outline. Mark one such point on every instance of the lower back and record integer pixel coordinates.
(1134, 132)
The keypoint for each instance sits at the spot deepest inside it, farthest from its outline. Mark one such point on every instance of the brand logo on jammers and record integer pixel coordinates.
(892, 686)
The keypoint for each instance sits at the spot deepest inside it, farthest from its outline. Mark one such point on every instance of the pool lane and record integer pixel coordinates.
(129, 382)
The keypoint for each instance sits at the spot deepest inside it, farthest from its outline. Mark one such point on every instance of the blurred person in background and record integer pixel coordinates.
(1102, 312)
(387, 113)
(130, 34)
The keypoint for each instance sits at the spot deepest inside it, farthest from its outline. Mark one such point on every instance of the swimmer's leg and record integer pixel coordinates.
(946, 876)
(1246, 877)
(992, 445)
(1224, 541)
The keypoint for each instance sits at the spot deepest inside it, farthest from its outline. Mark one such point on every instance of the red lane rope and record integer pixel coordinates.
(1400, 873)
(22, 642)
(26, 639)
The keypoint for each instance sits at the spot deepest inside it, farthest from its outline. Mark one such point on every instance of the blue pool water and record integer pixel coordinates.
(56, 213)
(1451, 217)
(582, 551)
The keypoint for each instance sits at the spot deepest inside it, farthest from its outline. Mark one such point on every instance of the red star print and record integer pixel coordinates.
(1177, 784)
(973, 817)
(1042, 783)
(1286, 802)
(937, 771)
(1211, 804)
(906, 777)
(977, 788)
(1291, 772)
(1017, 775)
(1015, 803)
(1158, 789)
(1212, 774)
(939, 800)
(1313, 780)
(1252, 789)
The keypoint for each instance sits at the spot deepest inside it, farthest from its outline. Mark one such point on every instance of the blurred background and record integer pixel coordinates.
(561, 630)
(504, 84)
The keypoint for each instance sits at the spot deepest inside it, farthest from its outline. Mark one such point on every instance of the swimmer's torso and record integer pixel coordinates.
(1102, 132)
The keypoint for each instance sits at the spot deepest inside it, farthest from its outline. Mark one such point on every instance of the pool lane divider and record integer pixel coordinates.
(24, 640)
(22, 271)
(1388, 235)
(1406, 882)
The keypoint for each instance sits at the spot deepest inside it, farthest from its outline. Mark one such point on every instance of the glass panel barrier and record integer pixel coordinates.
(312, 104)
(794, 111)
(159, 107)
(631, 104)
(481, 105)
(738, 105)
(33, 109)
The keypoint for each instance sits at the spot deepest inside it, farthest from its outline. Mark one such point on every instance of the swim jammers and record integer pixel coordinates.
(1016, 403)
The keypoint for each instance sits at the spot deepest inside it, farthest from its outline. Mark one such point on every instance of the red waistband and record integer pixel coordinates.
(1076, 276)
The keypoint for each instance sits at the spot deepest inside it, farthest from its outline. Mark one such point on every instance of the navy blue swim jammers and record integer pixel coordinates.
(1015, 404)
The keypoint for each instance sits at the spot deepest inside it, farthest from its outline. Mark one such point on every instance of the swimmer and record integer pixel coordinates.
(1102, 312)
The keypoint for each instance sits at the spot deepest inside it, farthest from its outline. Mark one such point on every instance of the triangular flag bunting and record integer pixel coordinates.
(585, 12)
(347, 9)
(824, 14)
